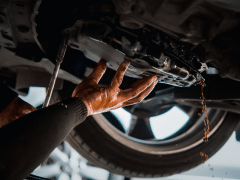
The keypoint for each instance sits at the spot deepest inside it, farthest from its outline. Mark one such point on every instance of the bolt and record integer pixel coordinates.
(166, 45)
(173, 45)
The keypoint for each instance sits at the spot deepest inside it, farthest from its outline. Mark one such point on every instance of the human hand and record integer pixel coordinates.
(16, 109)
(102, 99)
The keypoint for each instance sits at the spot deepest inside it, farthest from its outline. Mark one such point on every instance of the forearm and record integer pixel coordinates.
(16, 109)
(28, 141)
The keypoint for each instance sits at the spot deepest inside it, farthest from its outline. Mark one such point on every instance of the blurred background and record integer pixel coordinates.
(65, 163)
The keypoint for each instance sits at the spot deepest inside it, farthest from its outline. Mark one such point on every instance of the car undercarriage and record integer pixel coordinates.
(182, 42)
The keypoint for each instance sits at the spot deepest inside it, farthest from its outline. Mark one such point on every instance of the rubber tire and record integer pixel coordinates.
(94, 144)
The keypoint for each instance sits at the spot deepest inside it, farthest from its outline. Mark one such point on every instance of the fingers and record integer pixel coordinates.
(137, 88)
(118, 78)
(98, 72)
(141, 96)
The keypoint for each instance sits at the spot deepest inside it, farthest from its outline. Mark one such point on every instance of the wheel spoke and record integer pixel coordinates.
(140, 128)
(64, 176)
(185, 109)
(190, 111)
(49, 171)
(114, 121)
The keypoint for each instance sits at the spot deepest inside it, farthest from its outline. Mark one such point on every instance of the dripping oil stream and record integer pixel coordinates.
(204, 156)
(206, 120)
(204, 109)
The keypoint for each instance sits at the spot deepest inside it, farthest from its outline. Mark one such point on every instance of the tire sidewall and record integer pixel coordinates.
(93, 143)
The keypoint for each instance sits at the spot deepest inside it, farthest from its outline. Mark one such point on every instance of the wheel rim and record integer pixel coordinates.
(190, 138)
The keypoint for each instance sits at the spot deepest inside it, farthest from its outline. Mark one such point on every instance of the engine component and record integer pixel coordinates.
(194, 22)
(149, 50)
(18, 27)
(214, 25)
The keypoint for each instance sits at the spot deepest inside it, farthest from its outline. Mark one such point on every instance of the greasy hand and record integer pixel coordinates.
(101, 99)
(16, 109)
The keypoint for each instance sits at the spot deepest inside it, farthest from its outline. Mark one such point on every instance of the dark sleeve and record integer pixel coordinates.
(6, 96)
(28, 141)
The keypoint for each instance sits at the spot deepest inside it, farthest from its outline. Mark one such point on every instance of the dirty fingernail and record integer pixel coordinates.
(127, 62)
(154, 77)
(124, 68)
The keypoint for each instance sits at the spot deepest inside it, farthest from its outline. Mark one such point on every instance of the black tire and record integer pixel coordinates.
(99, 148)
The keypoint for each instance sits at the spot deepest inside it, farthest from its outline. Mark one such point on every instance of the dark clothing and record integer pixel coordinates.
(28, 141)
(6, 96)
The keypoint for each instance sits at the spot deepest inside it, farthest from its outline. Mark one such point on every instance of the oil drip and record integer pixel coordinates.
(204, 109)
(204, 156)
(206, 120)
